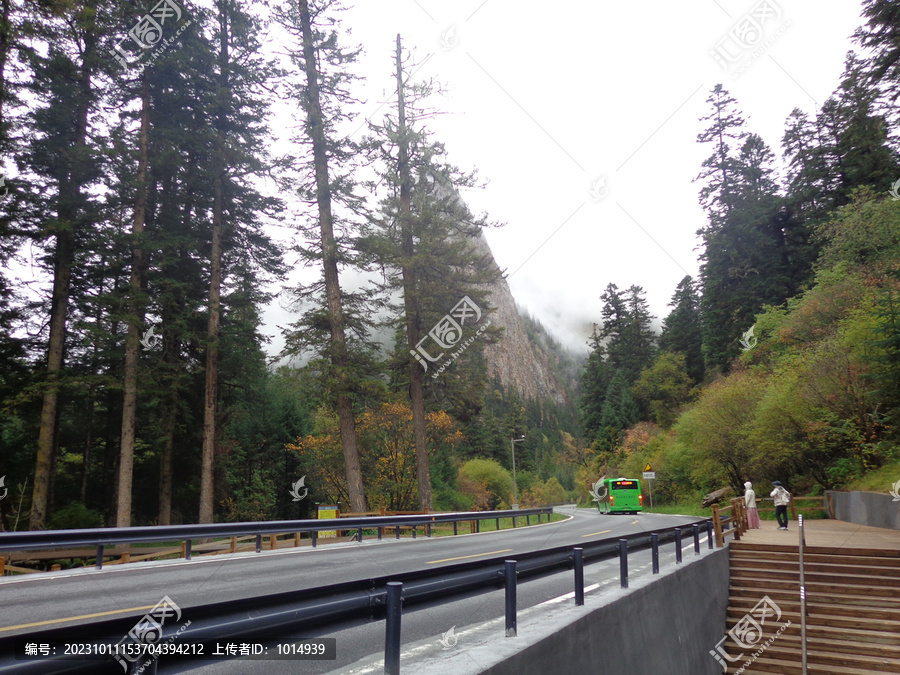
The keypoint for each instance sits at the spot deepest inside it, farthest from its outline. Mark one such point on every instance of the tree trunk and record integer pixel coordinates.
(207, 482)
(170, 410)
(62, 272)
(207, 486)
(135, 318)
(339, 357)
(411, 299)
(5, 42)
(68, 213)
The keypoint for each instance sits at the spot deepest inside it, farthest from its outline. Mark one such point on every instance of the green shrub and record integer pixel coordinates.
(75, 516)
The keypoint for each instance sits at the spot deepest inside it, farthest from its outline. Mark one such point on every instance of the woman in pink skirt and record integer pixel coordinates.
(750, 501)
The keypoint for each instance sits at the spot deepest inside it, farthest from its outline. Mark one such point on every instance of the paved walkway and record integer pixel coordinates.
(827, 533)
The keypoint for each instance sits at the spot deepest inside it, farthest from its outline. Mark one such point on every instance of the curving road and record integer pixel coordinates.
(59, 599)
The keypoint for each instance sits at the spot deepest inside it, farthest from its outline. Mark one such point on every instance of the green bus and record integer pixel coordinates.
(623, 495)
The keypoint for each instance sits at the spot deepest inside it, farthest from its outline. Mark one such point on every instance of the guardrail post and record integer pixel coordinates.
(709, 534)
(623, 562)
(509, 571)
(477, 525)
(99, 561)
(379, 533)
(678, 545)
(527, 519)
(578, 558)
(498, 524)
(717, 525)
(414, 531)
(258, 543)
(314, 537)
(654, 544)
(427, 529)
(397, 532)
(696, 529)
(514, 521)
(455, 527)
(359, 535)
(393, 604)
(187, 549)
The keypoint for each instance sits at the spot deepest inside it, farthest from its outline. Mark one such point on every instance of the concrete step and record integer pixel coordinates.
(821, 607)
(783, 596)
(791, 665)
(814, 586)
(744, 546)
(781, 574)
(784, 557)
(854, 568)
(874, 632)
(843, 646)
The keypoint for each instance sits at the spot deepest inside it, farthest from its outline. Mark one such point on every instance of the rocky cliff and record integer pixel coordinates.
(521, 359)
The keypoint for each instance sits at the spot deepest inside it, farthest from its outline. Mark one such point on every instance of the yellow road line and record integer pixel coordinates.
(463, 557)
(634, 522)
(595, 533)
(75, 618)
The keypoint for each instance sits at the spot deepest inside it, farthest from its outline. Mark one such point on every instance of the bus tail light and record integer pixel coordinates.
(612, 501)
(641, 500)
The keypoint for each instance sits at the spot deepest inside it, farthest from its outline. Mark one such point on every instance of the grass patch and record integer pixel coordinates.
(880, 480)
(691, 508)
(489, 525)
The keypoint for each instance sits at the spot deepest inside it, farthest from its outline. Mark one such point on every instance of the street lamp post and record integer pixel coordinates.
(512, 445)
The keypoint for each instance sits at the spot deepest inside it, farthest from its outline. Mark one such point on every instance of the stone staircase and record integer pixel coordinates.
(853, 609)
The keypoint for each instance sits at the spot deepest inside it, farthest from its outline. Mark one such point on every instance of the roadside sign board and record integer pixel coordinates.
(650, 475)
(648, 467)
(326, 511)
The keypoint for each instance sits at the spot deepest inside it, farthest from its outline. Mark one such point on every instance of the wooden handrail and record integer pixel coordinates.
(739, 520)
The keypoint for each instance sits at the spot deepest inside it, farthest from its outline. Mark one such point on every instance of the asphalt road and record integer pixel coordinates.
(75, 597)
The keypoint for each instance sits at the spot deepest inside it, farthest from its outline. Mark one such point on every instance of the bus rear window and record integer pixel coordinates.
(625, 485)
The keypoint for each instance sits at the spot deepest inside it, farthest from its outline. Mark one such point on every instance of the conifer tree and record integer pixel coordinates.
(682, 331)
(62, 154)
(724, 129)
(236, 90)
(322, 98)
(429, 241)
(880, 37)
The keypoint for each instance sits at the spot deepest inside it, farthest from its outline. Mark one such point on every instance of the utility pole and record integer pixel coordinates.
(512, 445)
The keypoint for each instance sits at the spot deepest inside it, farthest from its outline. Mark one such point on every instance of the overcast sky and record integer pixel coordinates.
(583, 118)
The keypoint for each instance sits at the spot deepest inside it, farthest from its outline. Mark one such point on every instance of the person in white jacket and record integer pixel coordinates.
(750, 501)
(782, 498)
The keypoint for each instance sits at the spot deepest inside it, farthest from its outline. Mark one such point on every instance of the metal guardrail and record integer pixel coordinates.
(273, 615)
(111, 536)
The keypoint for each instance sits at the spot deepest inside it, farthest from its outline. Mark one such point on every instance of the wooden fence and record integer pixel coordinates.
(732, 519)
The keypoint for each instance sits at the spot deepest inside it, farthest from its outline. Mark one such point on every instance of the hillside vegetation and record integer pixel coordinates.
(782, 361)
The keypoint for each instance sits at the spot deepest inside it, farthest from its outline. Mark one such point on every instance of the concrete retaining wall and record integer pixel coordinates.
(667, 627)
(866, 508)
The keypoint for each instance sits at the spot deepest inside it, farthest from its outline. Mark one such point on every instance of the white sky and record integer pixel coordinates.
(545, 100)
(583, 117)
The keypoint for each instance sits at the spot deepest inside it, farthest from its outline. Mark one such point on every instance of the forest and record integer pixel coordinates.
(782, 360)
(147, 170)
